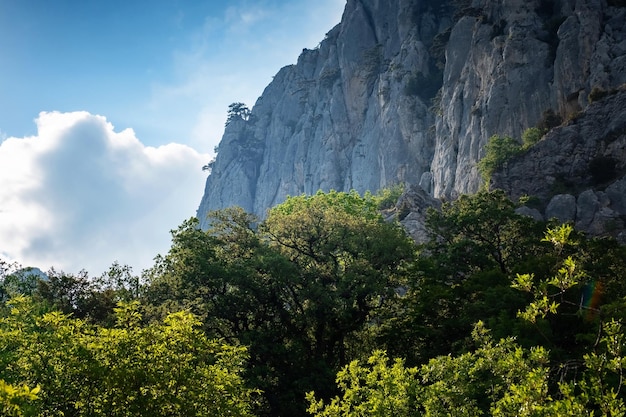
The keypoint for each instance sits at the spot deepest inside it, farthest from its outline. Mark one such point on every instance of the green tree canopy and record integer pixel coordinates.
(165, 368)
(495, 378)
(301, 289)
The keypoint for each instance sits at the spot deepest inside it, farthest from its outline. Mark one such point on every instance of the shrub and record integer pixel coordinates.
(531, 136)
(596, 94)
(498, 150)
(549, 120)
(388, 197)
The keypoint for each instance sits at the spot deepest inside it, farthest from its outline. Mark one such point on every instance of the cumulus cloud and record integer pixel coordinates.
(79, 195)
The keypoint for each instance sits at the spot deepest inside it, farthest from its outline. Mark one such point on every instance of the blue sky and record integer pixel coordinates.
(108, 110)
(166, 68)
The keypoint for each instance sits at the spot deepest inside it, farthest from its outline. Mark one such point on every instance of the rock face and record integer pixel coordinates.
(344, 117)
(411, 211)
(577, 172)
(411, 90)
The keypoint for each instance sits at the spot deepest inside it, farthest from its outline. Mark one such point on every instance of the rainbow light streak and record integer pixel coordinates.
(591, 299)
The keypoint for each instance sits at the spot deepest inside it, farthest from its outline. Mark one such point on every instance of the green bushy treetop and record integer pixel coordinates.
(495, 315)
(498, 150)
(164, 368)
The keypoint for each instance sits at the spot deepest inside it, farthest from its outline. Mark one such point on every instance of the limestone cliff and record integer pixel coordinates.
(410, 91)
(577, 172)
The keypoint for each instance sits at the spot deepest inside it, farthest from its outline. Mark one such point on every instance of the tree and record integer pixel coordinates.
(302, 289)
(572, 299)
(20, 281)
(463, 275)
(349, 266)
(500, 379)
(17, 401)
(164, 368)
(378, 389)
(479, 232)
(498, 150)
(209, 166)
(349, 260)
(237, 111)
(531, 136)
(86, 297)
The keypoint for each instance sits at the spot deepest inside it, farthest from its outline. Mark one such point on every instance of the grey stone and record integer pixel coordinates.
(605, 222)
(412, 208)
(561, 161)
(616, 193)
(530, 212)
(357, 112)
(562, 207)
(587, 206)
(426, 182)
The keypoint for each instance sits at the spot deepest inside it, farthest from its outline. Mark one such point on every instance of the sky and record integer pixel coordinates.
(109, 110)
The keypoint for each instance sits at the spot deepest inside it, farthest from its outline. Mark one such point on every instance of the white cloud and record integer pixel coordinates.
(81, 195)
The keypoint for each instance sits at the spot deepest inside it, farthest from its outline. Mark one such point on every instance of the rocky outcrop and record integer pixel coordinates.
(351, 114)
(411, 90)
(507, 63)
(411, 211)
(577, 172)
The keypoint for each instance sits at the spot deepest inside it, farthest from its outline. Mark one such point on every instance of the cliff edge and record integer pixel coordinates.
(410, 91)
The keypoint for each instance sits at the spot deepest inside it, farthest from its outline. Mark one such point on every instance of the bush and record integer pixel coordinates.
(549, 120)
(498, 150)
(386, 198)
(596, 94)
(531, 136)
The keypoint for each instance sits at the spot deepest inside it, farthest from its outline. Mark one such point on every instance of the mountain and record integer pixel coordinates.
(411, 91)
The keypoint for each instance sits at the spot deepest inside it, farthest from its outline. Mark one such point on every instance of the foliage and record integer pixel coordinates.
(301, 289)
(372, 58)
(484, 230)
(378, 389)
(498, 379)
(15, 280)
(438, 48)
(387, 197)
(498, 150)
(209, 165)
(313, 291)
(531, 136)
(566, 300)
(461, 276)
(348, 258)
(237, 111)
(597, 94)
(549, 120)
(166, 368)
(89, 298)
(16, 401)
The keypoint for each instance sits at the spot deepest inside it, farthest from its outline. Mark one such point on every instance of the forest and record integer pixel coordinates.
(325, 309)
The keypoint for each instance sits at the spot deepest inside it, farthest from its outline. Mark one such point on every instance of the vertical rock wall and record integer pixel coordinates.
(410, 91)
